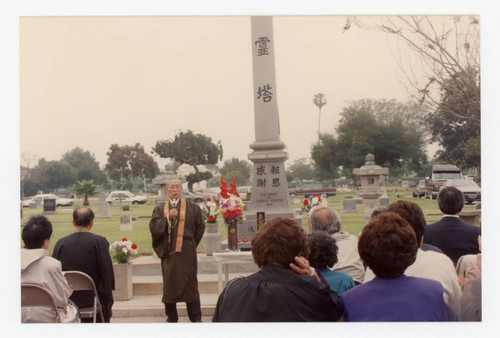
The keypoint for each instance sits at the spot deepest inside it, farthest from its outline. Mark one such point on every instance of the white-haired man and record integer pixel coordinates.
(323, 218)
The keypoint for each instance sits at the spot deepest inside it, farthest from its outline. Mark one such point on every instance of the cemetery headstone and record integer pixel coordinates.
(103, 210)
(349, 206)
(126, 223)
(126, 208)
(49, 206)
(384, 202)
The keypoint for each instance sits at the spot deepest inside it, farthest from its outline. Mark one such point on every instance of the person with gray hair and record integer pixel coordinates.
(323, 218)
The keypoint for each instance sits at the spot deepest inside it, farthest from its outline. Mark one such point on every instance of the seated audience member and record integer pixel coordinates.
(464, 261)
(323, 257)
(388, 245)
(428, 264)
(454, 237)
(322, 218)
(286, 288)
(470, 280)
(39, 268)
(89, 253)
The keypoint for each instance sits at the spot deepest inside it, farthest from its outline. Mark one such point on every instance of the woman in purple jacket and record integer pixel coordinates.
(388, 246)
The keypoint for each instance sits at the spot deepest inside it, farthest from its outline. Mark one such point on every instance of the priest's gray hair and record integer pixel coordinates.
(325, 219)
(173, 178)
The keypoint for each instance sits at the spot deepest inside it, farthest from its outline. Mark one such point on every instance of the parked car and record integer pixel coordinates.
(440, 173)
(195, 197)
(244, 192)
(60, 202)
(470, 189)
(311, 189)
(124, 196)
(419, 189)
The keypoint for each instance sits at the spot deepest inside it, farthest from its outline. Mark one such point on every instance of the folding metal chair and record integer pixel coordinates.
(80, 281)
(36, 295)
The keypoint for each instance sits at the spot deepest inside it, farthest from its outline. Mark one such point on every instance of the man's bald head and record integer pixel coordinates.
(83, 217)
(324, 219)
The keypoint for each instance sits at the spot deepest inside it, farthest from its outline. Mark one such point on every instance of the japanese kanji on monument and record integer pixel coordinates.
(269, 184)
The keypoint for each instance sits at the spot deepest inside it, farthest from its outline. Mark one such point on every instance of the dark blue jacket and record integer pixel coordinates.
(454, 237)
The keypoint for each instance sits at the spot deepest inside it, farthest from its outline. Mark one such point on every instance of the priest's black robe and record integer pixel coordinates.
(89, 253)
(179, 269)
(277, 294)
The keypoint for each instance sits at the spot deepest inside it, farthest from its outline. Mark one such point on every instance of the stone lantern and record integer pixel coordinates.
(371, 189)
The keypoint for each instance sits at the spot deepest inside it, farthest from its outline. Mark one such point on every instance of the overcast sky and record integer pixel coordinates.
(94, 81)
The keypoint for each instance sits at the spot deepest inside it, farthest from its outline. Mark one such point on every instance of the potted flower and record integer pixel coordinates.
(122, 250)
(210, 209)
(231, 208)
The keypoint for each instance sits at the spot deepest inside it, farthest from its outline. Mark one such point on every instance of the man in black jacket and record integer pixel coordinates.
(89, 253)
(454, 237)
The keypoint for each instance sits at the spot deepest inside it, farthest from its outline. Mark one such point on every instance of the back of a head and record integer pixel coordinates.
(325, 219)
(323, 250)
(388, 245)
(413, 214)
(83, 217)
(378, 211)
(36, 231)
(450, 200)
(279, 241)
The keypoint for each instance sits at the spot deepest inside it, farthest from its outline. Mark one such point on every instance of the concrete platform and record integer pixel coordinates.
(146, 306)
(151, 306)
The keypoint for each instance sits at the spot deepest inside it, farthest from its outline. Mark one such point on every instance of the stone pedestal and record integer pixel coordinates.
(370, 205)
(123, 281)
(212, 239)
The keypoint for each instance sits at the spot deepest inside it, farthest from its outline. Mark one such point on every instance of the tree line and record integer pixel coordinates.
(396, 133)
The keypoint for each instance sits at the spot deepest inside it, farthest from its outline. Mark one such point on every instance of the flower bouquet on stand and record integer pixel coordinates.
(123, 250)
(231, 208)
(210, 209)
(123, 268)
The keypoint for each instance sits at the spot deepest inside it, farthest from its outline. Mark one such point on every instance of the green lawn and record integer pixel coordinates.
(110, 227)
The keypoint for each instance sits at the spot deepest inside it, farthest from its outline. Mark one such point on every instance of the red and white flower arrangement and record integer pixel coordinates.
(123, 250)
(210, 209)
(231, 203)
(313, 201)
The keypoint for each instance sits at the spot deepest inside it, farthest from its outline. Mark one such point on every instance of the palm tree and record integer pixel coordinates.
(319, 100)
(88, 188)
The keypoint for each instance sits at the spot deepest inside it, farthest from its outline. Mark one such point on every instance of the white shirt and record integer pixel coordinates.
(348, 256)
(439, 267)
(174, 202)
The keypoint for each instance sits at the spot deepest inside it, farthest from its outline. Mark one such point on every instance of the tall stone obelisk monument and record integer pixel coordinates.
(269, 184)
